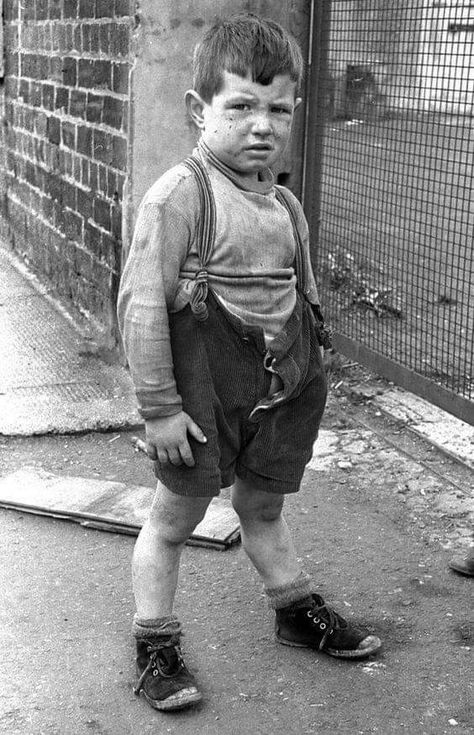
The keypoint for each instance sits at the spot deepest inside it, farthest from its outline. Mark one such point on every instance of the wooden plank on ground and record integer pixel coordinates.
(106, 505)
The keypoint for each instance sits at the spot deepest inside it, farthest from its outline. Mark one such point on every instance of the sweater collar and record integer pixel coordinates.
(262, 185)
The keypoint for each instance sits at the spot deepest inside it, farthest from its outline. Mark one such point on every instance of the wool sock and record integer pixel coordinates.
(146, 629)
(297, 592)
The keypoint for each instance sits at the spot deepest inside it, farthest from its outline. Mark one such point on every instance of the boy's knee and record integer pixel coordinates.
(175, 517)
(256, 505)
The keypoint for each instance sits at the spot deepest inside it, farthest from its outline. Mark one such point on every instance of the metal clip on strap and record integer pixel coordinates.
(206, 236)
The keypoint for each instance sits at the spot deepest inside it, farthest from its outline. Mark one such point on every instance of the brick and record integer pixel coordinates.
(11, 10)
(35, 66)
(73, 225)
(108, 250)
(122, 7)
(55, 69)
(69, 195)
(10, 35)
(95, 105)
(106, 36)
(119, 158)
(95, 39)
(102, 213)
(77, 103)
(86, 9)
(93, 176)
(113, 112)
(84, 203)
(41, 9)
(84, 140)
(35, 94)
(92, 238)
(120, 78)
(68, 134)
(70, 38)
(55, 9)
(71, 8)
(102, 146)
(121, 40)
(11, 63)
(27, 11)
(86, 73)
(48, 97)
(103, 74)
(70, 72)
(116, 227)
(65, 162)
(54, 130)
(86, 37)
(104, 9)
(78, 38)
(61, 101)
(54, 186)
(30, 174)
(102, 184)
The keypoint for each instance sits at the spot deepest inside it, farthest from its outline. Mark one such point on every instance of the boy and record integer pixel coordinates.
(223, 341)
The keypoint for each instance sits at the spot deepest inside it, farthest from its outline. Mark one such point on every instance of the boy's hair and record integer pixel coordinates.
(245, 44)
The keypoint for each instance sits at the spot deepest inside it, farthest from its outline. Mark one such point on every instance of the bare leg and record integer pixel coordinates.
(157, 552)
(265, 535)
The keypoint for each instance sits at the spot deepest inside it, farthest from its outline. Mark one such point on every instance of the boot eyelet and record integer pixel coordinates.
(309, 614)
(155, 672)
(316, 621)
(323, 626)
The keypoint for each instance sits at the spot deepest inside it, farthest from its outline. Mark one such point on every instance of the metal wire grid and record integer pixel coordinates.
(396, 238)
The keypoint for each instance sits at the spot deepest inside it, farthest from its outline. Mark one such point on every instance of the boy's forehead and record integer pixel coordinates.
(233, 84)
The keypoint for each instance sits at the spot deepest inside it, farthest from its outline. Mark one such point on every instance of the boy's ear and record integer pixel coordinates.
(195, 107)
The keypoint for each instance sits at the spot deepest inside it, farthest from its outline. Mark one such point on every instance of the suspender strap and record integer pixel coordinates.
(300, 268)
(206, 236)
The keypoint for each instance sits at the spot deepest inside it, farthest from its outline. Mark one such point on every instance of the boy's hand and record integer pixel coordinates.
(167, 439)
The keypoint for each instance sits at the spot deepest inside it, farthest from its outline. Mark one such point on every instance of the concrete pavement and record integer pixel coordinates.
(382, 508)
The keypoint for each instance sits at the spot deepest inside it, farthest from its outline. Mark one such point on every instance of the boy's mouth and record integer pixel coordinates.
(260, 147)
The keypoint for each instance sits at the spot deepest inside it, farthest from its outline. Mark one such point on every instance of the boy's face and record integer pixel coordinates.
(247, 125)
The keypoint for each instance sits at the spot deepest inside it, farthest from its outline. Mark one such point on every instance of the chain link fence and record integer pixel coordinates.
(395, 246)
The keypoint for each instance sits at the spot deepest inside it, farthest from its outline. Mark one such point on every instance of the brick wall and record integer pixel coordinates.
(66, 103)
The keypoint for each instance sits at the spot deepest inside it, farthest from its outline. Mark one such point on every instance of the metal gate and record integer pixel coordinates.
(388, 188)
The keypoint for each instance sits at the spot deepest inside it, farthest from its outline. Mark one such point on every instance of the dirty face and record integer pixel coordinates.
(248, 125)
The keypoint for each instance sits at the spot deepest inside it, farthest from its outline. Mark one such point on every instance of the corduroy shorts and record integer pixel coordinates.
(220, 375)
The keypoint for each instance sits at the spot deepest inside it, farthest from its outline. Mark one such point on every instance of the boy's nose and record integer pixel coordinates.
(261, 124)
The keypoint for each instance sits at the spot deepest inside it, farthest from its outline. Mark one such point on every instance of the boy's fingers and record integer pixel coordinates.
(151, 451)
(186, 454)
(174, 457)
(196, 432)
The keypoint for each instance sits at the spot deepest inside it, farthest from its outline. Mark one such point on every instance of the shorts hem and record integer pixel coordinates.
(267, 484)
(193, 487)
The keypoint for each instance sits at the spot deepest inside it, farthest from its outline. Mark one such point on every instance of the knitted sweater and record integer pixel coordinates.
(250, 271)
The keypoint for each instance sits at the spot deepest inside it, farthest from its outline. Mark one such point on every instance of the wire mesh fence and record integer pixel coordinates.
(396, 237)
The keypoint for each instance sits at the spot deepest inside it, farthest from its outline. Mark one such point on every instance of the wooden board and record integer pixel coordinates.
(106, 506)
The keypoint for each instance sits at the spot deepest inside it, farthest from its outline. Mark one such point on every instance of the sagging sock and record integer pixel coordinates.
(146, 629)
(298, 592)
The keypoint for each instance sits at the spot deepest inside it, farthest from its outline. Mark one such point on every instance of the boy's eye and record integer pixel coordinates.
(240, 106)
(281, 110)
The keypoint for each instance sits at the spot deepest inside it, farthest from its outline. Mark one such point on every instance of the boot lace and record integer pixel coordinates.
(326, 618)
(159, 662)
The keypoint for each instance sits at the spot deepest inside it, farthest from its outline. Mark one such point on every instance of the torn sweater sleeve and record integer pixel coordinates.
(148, 285)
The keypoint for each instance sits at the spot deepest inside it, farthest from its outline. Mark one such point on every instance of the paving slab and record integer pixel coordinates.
(52, 379)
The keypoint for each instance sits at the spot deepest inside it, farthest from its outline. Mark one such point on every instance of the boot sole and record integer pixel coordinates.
(169, 705)
(375, 645)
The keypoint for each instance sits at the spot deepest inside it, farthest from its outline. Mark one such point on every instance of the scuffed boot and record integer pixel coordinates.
(318, 626)
(164, 680)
